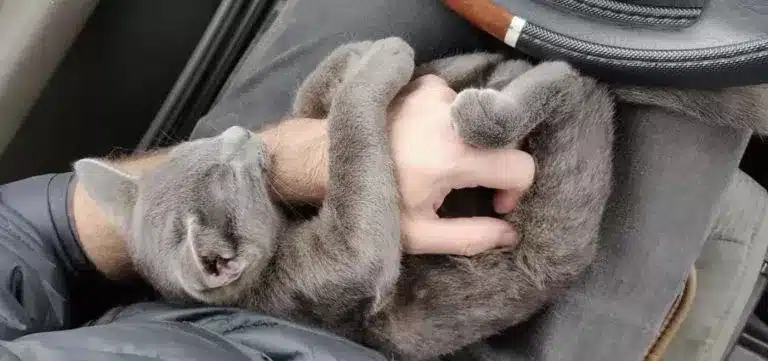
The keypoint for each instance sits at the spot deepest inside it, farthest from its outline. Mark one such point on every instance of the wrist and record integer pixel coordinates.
(101, 241)
(297, 152)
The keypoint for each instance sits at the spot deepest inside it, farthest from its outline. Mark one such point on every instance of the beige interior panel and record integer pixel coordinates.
(34, 36)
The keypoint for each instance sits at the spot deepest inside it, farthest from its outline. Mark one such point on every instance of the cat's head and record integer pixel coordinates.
(201, 224)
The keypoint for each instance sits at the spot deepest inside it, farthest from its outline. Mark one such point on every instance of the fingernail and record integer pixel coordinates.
(509, 238)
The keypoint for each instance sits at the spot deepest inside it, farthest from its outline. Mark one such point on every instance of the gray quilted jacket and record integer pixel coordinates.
(49, 288)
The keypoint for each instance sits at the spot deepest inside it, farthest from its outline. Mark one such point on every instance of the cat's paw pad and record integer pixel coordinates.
(477, 119)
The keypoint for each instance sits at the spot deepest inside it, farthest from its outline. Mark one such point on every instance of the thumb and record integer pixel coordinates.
(459, 236)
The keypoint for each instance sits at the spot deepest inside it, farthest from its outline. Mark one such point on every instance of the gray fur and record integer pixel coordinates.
(202, 227)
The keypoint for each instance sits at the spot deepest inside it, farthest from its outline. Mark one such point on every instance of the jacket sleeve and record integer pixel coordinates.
(164, 332)
(39, 255)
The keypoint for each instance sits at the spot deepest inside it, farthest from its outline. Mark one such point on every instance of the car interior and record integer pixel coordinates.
(91, 78)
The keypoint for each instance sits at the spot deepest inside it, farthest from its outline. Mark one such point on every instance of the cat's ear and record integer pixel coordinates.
(112, 189)
(211, 257)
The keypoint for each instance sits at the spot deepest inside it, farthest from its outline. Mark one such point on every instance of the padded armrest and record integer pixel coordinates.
(34, 36)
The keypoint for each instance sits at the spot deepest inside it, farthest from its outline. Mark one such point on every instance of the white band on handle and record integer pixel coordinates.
(513, 30)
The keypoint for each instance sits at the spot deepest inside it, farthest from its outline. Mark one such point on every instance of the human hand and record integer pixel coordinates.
(431, 160)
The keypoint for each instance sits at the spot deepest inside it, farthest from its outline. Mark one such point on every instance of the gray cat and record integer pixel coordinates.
(202, 226)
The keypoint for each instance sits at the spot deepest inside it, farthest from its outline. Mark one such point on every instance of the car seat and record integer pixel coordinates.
(716, 315)
(719, 314)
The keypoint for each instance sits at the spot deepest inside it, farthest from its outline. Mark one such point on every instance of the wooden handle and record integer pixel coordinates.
(483, 14)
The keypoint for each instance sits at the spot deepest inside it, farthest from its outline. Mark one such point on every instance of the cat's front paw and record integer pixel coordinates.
(479, 118)
(391, 53)
(386, 67)
(314, 97)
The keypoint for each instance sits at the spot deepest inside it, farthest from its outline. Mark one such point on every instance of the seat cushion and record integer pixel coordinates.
(727, 269)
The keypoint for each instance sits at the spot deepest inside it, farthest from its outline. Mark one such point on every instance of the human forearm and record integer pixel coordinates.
(296, 149)
(298, 159)
(101, 241)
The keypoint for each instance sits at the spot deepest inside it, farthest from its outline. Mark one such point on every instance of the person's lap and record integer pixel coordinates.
(669, 173)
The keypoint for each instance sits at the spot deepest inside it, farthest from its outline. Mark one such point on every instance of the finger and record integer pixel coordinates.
(505, 169)
(459, 236)
(505, 200)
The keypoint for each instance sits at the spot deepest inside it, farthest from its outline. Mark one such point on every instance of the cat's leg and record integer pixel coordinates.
(313, 98)
(361, 210)
(446, 303)
(348, 257)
